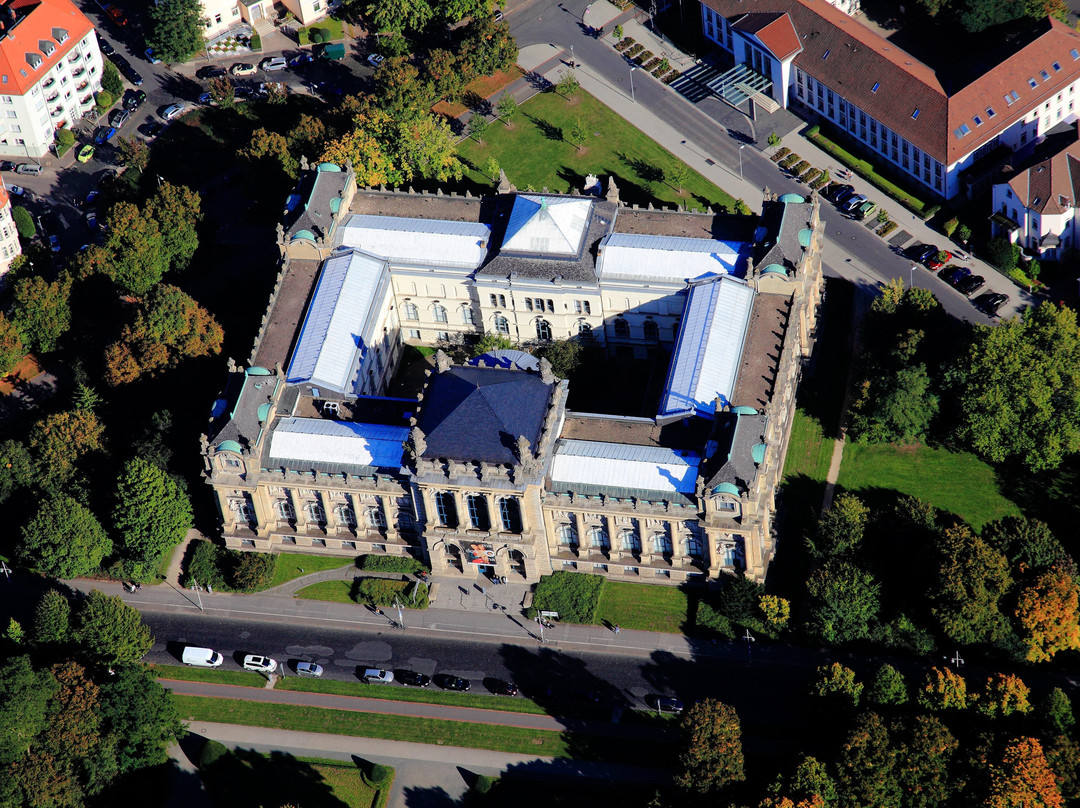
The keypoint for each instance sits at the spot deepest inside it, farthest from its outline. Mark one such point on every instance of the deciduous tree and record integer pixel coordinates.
(133, 152)
(507, 108)
(846, 602)
(711, 756)
(923, 761)
(140, 714)
(888, 687)
(840, 529)
(1029, 544)
(110, 631)
(488, 46)
(17, 470)
(1002, 695)
(568, 85)
(1022, 778)
(478, 124)
(59, 440)
(178, 212)
(308, 137)
(809, 786)
(1047, 613)
(134, 255)
(971, 578)
(223, 92)
(176, 29)
(866, 767)
(12, 349)
(397, 16)
(42, 311)
(111, 81)
(52, 619)
(1058, 712)
(63, 539)
(25, 695)
(838, 686)
(152, 514)
(943, 690)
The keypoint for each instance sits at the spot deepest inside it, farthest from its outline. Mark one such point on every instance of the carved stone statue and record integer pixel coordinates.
(304, 165)
(417, 441)
(612, 194)
(524, 450)
(547, 376)
(503, 186)
(442, 361)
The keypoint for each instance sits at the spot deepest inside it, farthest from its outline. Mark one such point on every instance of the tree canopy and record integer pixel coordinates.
(711, 755)
(109, 631)
(60, 440)
(12, 349)
(42, 311)
(971, 579)
(176, 29)
(63, 539)
(846, 602)
(134, 254)
(178, 211)
(1049, 614)
(152, 513)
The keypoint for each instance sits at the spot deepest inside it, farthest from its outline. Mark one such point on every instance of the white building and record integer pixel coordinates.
(50, 68)
(10, 248)
(945, 133)
(223, 15)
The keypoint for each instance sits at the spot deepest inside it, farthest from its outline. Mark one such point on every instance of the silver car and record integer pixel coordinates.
(377, 676)
(308, 669)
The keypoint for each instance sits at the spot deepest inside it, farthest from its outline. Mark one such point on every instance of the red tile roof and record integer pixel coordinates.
(1053, 185)
(851, 59)
(38, 27)
(775, 31)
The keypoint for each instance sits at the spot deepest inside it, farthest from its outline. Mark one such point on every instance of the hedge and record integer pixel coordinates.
(791, 159)
(388, 563)
(670, 77)
(626, 43)
(661, 70)
(383, 592)
(799, 167)
(574, 595)
(886, 228)
(644, 56)
(780, 154)
(651, 65)
(635, 50)
(810, 175)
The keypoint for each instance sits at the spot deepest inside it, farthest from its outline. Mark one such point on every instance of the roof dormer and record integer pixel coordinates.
(34, 59)
(46, 46)
(60, 35)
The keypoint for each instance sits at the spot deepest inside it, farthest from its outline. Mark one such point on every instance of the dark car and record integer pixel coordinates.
(104, 134)
(843, 195)
(920, 252)
(500, 687)
(301, 59)
(991, 302)
(837, 189)
(120, 61)
(151, 129)
(211, 72)
(131, 75)
(952, 274)
(243, 92)
(970, 285)
(412, 678)
(664, 704)
(105, 47)
(206, 98)
(133, 99)
(7, 165)
(118, 117)
(447, 682)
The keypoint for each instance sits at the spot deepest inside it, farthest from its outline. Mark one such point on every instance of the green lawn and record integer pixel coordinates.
(186, 674)
(328, 24)
(346, 782)
(957, 482)
(390, 727)
(478, 700)
(333, 591)
(535, 153)
(645, 607)
(293, 565)
(809, 448)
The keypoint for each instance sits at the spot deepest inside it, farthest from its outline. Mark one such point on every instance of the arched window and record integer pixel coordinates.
(629, 540)
(439, 313)
(510, 513)
(543, 330)
(478, 512)
(598, 537)
(346, 515)
(661, 543)
(446, 509)
(584, 329)
(467, 316)
(410, 312)
(622, 328)
(502, 326)
(652, 330)
(567, 536)
(315, 513)
(285, 510)
(374, 517)
(693, 546)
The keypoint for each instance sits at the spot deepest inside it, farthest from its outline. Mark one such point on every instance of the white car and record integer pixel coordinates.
(308, 669)
(377, 676)
(172, 111)
(374, 59)
(16, 190)
(262, 664)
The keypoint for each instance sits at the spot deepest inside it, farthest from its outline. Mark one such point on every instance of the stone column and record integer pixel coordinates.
(228, 515)
(298, 511)
(389, 511)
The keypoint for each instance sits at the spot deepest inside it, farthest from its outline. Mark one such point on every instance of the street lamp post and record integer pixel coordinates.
(632, 96)
(911, 280)
(741, 147)
(573, 62)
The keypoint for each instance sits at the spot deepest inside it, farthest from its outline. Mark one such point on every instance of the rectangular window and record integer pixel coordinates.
(588, 308)
(442, 336)
(528, 304)
(539, 303)
(874, 89)
(825, 55)
(915, 115)
(1032, 83)
(414, 333)
(577, 307)
(494, 301)
(1057, 66)
(502, 301)
(217, 19)
(1075, 54)
(978, 121)
(990, 112)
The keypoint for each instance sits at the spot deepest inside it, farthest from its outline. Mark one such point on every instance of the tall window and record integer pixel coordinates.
(693, 546)
(661, 543)
(502, 326)
(652, 330)
(439, 313)
(629, 540)
(598, 538)
(346, 515)
(467, 316)
(567, 536)
(446, 509)
(315, 513)
(285, 510)
(410, 311)
(374, 517)
(622, 328)
(510, 512)
(543, 330)
(478, 512)
(584, 329)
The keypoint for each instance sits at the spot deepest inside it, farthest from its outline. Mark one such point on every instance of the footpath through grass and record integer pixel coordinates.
(474, 700)
(956, 482)
(536, 153)
(440, 732)
(290, 566)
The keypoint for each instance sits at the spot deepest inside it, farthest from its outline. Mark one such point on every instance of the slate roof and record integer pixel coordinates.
(313, 208)
(782, 222)
(1051, 186)
(851, 59)
(478, 413)
(733, 462)
(286, 315)
(240, 422)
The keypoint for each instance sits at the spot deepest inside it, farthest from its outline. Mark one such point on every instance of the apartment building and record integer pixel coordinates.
(946, 134)
(487, 471)
(223, 15)
(50, 68)
(10, 248)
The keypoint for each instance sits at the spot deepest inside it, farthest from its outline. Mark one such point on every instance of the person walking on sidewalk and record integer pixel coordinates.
(617, 628)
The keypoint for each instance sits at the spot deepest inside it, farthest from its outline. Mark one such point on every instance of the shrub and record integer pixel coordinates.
(963, 232)
(617, 32)
(211, 753)
(886, 228)
(104, 100)
(624, 44)
(774, 139)
(799, 167)
(635, 50)
(950, 226)
(780, 154)
(483, 784)
(383, 592)
(660, 71)
(791, 159)
(670, 77)
(205, 566)
(665, 65)
(574, 595)
(386, 563)
(24, 222)
(646, 56)
(651, 64)
(882, 215)
(65, 139)
(1003, 254)
(810, 174)
(709, 620)
(253, 571)
(379, 775)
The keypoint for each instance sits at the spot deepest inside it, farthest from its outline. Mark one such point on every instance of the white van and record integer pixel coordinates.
(202, 657)
(274, 63)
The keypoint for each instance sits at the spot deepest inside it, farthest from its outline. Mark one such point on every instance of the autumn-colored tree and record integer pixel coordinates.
(488, 45)
(1022, 778)
(134, 255)
(841, 527)
(370, 163)
(923, 760)
(169, 326)
(42, 310)
(711, 756)
(1003, 695)
(837, 685)
(59, 440)
(73, 722)
(888, 687)
(399, 89)
(777, 611)
(267, 148)
(809, 786)
(178, 211)
(424, 147)
(444, 72)
(11, 345)
(866, 767)
(223, 92)
(1063, 756)
(308, 137)
(1047, 611)
(133, 152)
(971, 578)
(43, 778)
(943, 690)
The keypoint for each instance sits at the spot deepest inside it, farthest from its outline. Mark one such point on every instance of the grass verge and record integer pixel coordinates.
(475, 700)
(481, 87)
(185, 674)
(347, 783)
(536, 154)
(292, 565)
(401, 728)
(644, 607)
(957, 482)
(332, 591)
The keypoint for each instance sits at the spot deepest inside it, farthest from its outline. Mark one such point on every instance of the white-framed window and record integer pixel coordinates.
(543, 330)
(629, 540)
(315, 513)
(478, 512)
(510, 514)
(414, 333)
(438, 313)
(598, 537)
(567, 535)
(346, 515)
(409, 311)
(661, 543)
(285, 510)
(467, 316)
(446, 509)
(375, 517)
(502, 325)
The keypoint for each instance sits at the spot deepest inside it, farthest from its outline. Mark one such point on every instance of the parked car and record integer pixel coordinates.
(308, 669)
(17, 190)
(150, 57)
(29, 169)
(54, 243)
(991, 302)
(201, 657)
(838, 190)
(116, 15)
(374, 59)
(665, 704)
(273, 63)
(210, 72)
(133, 99)
(91, 199)
(864, 210)
(118, 117)
(91, 220)
(970, 285)
(242, 69)
(376, 676)
(301, 58)
(105, 47)
(104, 134)
(266, 86)
(242, 92)
(150, 129)
(412, 678)
(447, 682)
(934, 261)
(172, 111)
(131, 74)
(262, 664)
(500, 687)
(852, 202)
(206, 98)
(7, 165)
(498, 15)
(86, 153)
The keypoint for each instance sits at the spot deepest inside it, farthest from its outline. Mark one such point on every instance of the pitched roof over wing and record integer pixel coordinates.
(430, 242)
